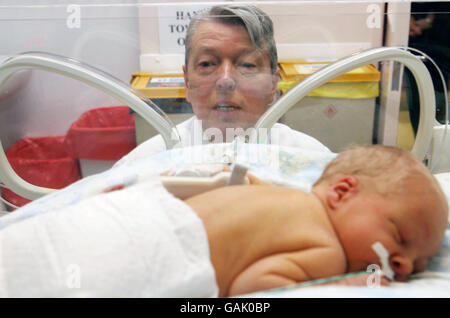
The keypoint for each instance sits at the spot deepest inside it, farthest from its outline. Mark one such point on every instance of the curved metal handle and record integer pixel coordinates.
(91, 76)
(331, 71)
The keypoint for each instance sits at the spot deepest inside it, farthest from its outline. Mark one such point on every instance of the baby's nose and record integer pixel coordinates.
(402, 266)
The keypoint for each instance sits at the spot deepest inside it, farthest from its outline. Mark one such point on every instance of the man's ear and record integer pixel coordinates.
(186, 84)
(275, 80)
(341, 190)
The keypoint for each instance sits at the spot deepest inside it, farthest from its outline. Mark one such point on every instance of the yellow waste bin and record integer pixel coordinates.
(168, 93)
(339, 113)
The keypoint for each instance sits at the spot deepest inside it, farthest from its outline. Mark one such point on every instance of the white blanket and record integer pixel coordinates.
(138, 242)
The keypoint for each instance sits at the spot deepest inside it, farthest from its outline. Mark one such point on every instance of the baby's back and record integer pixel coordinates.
(246, 224)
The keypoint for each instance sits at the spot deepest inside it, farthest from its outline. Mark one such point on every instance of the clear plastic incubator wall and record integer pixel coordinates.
(84, 84)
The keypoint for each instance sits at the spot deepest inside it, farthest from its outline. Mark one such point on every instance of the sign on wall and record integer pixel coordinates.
(173, 21)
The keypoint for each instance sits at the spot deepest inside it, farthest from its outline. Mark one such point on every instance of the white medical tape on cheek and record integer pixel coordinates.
(383, 254)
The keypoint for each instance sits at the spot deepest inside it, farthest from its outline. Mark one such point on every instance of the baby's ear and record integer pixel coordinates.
(341, 190)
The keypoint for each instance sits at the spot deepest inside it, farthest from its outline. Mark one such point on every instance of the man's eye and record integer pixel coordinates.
(248, 65)
(248, 68)
(205, 64)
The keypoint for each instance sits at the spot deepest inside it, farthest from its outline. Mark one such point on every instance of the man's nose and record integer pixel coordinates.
(226, 81)
(402, 266)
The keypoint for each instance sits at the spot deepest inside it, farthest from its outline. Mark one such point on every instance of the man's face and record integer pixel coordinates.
(228, 82)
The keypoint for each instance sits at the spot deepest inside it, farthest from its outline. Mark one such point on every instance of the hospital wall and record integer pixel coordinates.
(124, 36)
(320, 30)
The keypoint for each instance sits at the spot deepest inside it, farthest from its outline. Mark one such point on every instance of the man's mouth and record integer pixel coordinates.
(226, 107)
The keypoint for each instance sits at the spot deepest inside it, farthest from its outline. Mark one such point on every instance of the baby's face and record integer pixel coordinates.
(410, 227)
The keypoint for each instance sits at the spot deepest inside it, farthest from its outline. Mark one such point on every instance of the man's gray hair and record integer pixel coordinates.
(257, 23)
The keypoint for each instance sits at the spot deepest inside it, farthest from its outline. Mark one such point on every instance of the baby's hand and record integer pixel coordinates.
(255, 181)
(360, 280)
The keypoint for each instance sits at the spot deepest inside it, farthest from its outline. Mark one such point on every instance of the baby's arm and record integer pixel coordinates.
(208, 171)
(289, 268)
(359, 280)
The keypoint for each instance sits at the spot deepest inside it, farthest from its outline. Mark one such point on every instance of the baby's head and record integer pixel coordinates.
(384, 194)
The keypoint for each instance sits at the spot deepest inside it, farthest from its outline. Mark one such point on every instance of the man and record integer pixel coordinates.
(231, 77)
(428, 32)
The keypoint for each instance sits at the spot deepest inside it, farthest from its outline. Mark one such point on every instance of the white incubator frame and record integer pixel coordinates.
(160, 122)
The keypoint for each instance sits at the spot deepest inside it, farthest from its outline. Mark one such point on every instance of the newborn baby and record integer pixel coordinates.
(263, 237)
(141, 241)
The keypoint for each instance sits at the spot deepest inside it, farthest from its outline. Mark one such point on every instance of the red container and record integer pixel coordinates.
(106, 133)
(41, 161)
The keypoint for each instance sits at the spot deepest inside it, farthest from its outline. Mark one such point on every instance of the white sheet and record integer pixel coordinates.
(138, 242)
(444, 181)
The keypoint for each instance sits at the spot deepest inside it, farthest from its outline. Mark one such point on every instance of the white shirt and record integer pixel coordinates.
(191, 133)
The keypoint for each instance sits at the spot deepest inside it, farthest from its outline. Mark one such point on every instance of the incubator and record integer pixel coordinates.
(339, 85)
(100, 97)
